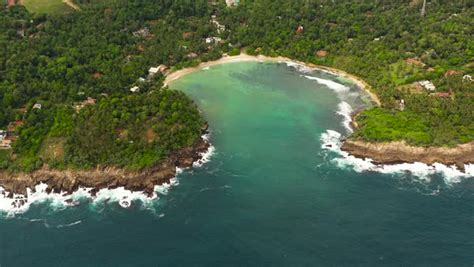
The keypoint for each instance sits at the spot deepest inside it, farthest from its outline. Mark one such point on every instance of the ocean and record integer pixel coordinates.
(276, 191)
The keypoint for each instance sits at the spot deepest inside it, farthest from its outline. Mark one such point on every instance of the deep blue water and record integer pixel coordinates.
(269, 197)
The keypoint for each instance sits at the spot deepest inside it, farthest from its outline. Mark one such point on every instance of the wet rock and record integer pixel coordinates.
(399, 152)
(105, 177)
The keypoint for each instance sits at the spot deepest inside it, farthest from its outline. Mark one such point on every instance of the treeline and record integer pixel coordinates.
(100, 52)
(375, 40)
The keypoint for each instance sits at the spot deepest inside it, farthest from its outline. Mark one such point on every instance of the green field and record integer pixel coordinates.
(46, 6)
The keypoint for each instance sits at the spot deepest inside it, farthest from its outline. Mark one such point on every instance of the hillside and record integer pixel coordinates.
(77, 95)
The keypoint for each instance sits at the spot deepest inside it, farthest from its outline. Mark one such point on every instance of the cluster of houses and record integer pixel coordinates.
(431, 88)
(152, 72)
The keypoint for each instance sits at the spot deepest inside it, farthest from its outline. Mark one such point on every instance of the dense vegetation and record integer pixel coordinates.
(59, 60)
(376, 40)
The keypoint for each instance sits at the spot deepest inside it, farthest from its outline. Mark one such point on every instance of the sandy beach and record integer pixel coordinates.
(173, 75)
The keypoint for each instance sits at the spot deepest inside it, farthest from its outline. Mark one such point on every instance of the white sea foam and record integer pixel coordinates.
(205, 157)
(206, 68)
(69, 224)
(332, 141)
(337, 87)
(299, 67)
(19, 203)
(345, 110)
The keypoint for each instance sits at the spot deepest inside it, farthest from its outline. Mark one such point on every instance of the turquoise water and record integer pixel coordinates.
(269, 197)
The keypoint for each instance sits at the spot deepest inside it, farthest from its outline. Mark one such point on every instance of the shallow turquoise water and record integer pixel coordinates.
(269, 196)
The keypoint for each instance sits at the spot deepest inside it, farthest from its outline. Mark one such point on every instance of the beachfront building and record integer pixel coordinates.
(155, 70)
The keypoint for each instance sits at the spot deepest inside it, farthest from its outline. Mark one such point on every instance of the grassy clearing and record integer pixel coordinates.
(379, 125)
(53, 149)
(46, 6)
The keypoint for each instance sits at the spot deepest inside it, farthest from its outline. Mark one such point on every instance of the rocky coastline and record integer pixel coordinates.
(69, 181)
(400, 152)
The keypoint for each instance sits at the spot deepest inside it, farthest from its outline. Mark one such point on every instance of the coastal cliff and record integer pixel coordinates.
(400, 152)
(107, 177)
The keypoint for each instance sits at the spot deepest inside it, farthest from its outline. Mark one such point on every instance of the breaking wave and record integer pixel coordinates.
(339, 88)
(332, 141)
(18, 203)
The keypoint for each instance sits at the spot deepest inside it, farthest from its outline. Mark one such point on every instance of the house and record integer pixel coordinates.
(143, 33)
(322, 53)
(5, 144)
(141, 80)
(450, 73)
(415, 62)
(213, 40)
(154, 70)
(13, 126)
(10, 3)
(402, 104)
(300, 29)
(192, 55)
(135, 89)
(427, 85)
(442, 94)
(467, 78)
(3, 134)
(97, 75)
(162, 68)
(89, 101)
(37, 106)
(231, 2)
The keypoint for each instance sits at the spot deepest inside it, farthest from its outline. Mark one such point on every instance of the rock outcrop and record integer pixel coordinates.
(105, 177)
(400, 152)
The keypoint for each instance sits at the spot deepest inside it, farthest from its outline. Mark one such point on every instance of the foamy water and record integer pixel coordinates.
(332, 141)
(19, 203)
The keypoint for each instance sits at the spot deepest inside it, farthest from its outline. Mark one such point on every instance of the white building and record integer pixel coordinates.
(135, 89)
(3, 134)
(37, 106)
(231, 2)
(213, 40)
(153, 71)
(467, 78)
(428, 85)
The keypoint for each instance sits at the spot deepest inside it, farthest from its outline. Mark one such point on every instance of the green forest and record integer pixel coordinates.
(65, 77)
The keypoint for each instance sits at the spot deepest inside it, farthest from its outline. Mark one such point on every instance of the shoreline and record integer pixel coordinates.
(391, 153)
(363, 85)
(16, 188)
(397, 151)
